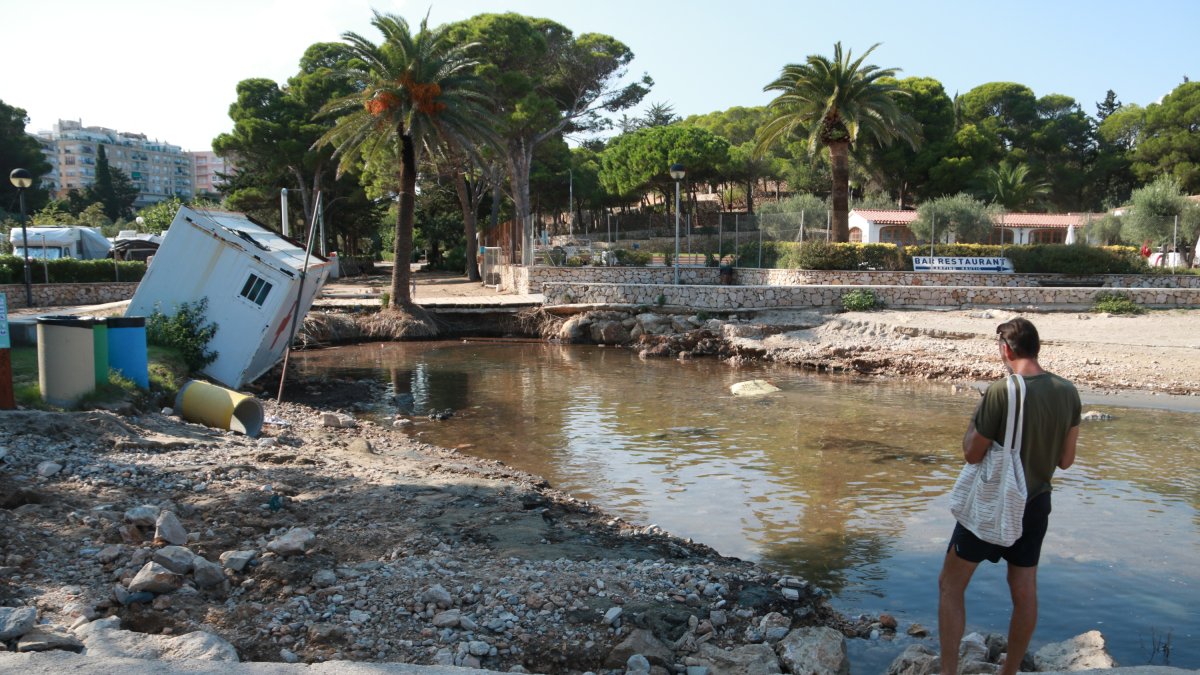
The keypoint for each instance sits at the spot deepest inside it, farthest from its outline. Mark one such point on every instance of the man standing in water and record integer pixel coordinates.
(1050, 431)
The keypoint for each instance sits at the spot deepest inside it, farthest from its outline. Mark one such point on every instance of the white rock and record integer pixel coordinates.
(637, 664)
(294, 542)
(612, 615)
(359, 616)
(167, 411)
(437, 595)
(478, 648)
(48, 468)
(330, 420)
(288, 656)
(324, 578)
(236, 560)
(175, 558)
(105, 638)
(447, 619)
(1082, 652)
(16, 621)
(154, 578)
(143, 516)
(753, 388)
(168, 528)
(1095, 416)
(206, 573)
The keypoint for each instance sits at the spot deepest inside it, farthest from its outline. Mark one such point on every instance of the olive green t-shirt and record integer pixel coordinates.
(1052, 408)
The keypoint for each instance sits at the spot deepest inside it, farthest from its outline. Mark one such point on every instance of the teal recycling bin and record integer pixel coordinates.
(127, 348)
(66, 359)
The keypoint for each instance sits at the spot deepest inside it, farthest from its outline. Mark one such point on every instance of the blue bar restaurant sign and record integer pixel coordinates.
(960, 264)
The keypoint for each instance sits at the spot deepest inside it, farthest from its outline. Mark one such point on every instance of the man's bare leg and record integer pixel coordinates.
(1022, 585)
(952, 610)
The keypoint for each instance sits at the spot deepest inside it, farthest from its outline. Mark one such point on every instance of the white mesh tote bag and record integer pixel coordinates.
(989, 497)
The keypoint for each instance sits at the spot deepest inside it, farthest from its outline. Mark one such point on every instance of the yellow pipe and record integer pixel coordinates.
(219, 407)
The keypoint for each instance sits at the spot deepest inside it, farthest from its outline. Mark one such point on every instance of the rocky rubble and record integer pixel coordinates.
(157, 538)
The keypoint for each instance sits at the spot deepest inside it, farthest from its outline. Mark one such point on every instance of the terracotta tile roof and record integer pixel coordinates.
(1043, 220)
(1051, 220)
(887, 217)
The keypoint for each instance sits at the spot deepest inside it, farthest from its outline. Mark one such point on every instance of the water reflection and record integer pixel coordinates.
(843, 482)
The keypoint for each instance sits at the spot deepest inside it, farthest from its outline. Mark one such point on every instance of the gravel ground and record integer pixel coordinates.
(362, 545)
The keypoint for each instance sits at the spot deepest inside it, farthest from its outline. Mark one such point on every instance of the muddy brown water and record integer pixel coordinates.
(842, 481)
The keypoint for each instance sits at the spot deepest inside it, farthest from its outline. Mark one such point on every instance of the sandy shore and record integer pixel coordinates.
(1150, 359)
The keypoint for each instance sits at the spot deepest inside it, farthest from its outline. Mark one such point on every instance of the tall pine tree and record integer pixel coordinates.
(112, 188)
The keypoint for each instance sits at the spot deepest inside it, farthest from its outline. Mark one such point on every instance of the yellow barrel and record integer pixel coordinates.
(219, 407)
(66, 359)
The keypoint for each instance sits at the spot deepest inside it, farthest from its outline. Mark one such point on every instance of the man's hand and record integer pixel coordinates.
(974, 444)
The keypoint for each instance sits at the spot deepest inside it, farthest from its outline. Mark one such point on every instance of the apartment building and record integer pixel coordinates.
(159, 170)
(206, 166)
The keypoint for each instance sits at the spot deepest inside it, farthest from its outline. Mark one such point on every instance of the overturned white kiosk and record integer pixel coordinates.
(251, 277)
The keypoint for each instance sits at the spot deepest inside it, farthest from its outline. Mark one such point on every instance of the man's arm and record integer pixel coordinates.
(1068, 448)
(975, 445)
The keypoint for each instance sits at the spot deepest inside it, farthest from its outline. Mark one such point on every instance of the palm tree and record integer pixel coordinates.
(415, 90)
(832, 103)
(1012, 187)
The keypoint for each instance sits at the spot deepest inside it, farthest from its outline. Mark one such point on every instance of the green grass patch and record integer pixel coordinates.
(1116, 303)
(168, 372)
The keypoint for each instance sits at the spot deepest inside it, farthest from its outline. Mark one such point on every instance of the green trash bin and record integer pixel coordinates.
(66, 359)
(100, 350)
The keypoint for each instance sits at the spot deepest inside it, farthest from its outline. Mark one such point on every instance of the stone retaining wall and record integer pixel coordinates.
(520, 279)
(57, 295)
(724, 298)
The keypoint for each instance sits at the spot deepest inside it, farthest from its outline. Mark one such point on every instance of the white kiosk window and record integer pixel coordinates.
(255, 289)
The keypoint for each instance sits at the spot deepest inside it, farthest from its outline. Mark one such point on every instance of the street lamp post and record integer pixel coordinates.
(677, 174)
(21, 179)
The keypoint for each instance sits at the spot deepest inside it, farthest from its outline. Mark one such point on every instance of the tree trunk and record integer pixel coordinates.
(465, 194)
(520, 159)
(750, 196)
(402, 269)
(839, 156)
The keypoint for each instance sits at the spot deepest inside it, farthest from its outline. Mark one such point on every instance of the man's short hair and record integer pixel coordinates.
(1021, 337)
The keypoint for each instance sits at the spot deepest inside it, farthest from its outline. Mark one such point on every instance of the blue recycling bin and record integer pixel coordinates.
(127, 348)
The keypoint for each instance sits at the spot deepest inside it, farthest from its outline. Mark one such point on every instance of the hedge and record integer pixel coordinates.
(69, 271)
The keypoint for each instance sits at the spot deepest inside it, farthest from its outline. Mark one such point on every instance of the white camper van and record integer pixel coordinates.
(251, 277)
(54, 242)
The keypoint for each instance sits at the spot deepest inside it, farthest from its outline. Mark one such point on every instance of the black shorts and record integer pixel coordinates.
(1024, 552)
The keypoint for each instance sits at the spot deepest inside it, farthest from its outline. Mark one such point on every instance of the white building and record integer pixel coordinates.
(158, 169)
(877, 226)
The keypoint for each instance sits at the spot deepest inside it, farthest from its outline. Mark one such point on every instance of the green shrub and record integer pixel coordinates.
(574, 261)
(186, 331)
(630, 257)
(70, 271)
(453, 260)
(1116, 303)
(861, 300)
(1075, 259)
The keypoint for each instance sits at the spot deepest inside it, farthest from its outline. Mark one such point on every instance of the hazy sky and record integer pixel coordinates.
(169, 68)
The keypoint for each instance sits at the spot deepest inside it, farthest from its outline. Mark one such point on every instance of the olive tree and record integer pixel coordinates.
(969, 219)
